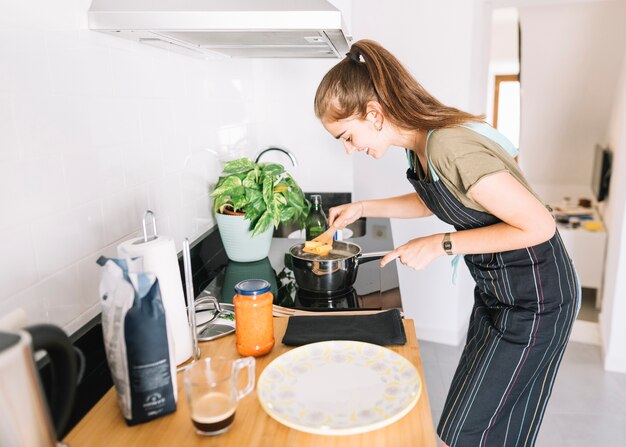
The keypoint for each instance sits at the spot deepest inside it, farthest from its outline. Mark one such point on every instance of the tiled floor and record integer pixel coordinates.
(587, 408)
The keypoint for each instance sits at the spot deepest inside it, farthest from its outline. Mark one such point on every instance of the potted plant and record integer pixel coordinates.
(250, 200)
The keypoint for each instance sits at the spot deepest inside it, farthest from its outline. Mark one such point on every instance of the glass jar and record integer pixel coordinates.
(254, 324)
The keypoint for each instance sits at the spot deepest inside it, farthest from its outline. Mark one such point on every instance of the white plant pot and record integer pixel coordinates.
(238, 241)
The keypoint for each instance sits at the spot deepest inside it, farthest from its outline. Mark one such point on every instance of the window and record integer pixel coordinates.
(506, 106)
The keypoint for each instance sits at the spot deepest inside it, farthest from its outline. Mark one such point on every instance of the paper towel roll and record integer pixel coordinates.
(159, 257)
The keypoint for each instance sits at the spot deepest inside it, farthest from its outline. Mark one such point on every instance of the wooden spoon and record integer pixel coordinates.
(327, 236)
(322, 244)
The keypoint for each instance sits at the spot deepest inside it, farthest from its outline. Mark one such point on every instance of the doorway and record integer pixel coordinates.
(504, 87)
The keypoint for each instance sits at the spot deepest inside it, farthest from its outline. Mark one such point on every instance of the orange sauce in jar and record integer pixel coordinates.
(254, 324)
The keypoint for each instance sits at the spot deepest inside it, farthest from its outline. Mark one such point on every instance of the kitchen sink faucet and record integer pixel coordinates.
(287, 152)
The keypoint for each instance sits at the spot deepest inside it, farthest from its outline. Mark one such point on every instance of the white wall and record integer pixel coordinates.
(93, 131)
(612, 325)
(287, 97)
(504, 58)
(503, 54)
(571, 56)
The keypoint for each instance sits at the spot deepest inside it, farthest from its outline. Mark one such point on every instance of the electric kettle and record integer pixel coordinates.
(24, 413)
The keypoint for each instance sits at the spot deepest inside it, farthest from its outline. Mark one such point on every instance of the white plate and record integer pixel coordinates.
(338, 387)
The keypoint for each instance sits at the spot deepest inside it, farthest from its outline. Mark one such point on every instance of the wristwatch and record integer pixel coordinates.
(447, 244)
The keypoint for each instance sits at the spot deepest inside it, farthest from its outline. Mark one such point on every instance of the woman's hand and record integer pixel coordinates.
(343, 215)
(417, 253)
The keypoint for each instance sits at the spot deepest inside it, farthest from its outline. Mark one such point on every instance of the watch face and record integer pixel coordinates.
(447, 245)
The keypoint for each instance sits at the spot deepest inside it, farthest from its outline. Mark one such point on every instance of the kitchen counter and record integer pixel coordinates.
(105, 426)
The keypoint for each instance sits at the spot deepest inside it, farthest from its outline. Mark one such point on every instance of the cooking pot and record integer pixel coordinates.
(25, 417)
(335, 272)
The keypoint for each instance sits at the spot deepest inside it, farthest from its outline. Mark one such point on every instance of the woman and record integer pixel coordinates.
(527, 293)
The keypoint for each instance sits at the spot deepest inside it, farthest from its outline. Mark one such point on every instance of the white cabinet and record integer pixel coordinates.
(588, 251)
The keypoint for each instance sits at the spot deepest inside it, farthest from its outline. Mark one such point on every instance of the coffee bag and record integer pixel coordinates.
(137, 340)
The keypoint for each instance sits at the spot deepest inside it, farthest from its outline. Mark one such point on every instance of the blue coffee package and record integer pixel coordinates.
(137, 340)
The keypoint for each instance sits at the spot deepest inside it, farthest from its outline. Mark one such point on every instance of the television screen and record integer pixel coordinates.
(601, 172)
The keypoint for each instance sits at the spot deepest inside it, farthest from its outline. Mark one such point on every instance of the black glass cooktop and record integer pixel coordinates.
(347, 299)
(374, 288)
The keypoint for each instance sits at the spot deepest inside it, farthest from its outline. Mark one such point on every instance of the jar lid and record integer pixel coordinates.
(252, 287)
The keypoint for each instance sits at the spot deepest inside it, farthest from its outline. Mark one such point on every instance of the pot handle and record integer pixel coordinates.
(367, 257)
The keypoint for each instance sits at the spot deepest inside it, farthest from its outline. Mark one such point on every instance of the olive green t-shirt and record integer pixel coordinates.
(461, 157)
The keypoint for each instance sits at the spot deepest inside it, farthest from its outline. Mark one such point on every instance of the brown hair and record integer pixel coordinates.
(347, 88)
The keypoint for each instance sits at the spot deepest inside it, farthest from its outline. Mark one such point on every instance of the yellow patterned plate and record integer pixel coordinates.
(338, 387)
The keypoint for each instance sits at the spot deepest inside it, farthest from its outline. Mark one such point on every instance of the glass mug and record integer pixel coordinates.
(213, 392)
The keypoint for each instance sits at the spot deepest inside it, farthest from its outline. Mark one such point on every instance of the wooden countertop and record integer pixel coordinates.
(105, 426)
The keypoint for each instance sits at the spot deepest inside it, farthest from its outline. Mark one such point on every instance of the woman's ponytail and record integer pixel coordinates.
(371, 73)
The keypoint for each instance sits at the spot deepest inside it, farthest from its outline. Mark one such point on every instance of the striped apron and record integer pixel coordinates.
(525, 303)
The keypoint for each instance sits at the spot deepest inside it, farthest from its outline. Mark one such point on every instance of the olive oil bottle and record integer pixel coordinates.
(316, 220)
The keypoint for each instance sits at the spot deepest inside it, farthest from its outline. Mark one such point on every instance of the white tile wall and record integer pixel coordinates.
(94, 130)
(288, 95)
(18, 265)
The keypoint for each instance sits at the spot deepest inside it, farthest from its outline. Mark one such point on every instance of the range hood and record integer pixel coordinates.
(232, 28)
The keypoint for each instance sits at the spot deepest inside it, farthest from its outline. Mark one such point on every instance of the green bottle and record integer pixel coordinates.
(316, 220)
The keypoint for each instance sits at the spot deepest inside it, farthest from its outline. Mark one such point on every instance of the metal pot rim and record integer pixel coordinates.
(324, 258)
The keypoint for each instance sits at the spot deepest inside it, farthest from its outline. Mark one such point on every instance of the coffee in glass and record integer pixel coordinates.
(214, 413)
(213, 393)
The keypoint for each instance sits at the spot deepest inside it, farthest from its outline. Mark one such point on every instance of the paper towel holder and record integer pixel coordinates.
(144, 225)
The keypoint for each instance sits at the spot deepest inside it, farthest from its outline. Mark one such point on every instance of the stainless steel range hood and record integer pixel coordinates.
(233, 28)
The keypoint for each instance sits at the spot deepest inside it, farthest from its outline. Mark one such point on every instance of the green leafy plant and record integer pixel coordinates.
(265, 192)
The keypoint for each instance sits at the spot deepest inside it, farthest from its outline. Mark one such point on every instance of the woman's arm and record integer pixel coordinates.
(405, 206)
(525, 222)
